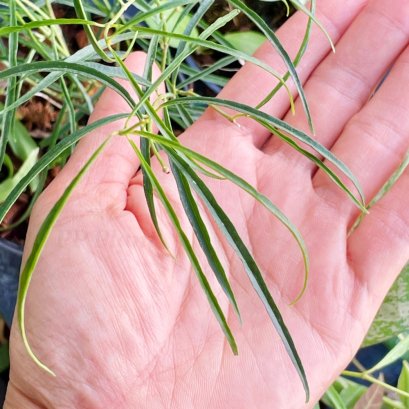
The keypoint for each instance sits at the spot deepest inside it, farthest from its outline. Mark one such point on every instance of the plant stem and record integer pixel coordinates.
(372, 379)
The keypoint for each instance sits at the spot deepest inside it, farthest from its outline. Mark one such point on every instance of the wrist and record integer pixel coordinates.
(15, 399)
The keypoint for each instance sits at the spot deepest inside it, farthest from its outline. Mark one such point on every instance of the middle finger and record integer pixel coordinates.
(343, 82)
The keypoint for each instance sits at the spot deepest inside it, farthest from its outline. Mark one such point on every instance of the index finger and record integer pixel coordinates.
(251, 84)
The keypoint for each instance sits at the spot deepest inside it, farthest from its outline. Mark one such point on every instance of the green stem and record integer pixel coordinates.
(372, 379)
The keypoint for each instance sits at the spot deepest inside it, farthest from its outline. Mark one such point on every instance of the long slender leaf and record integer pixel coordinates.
(51, 155)
(8, 119)
(81, 13)
(44, 23)
(300, 6)
(393, 355)
(152, 11)
(86, 53)
(190, 253)
(38, 246)
(334, 397)
(321, 164)
(272, 123)
(204, 6)
(197, 41)
(202, 74)
(68, 67)
(238, 182)
(249, 263)
(403, 383)
(145, 144)
(148, 190)
(269, 33)
(202, 234)
(298, 57)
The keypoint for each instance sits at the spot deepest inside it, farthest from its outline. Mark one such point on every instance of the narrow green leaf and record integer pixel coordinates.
(151, 59)
(44, 23)
(185, 116)
(321, 164)
(297, 59)
(300, 6)
(192, 22)
(393, 355)
(145, 15)
(272, 37)
(202, 234)
(11, 95)
(174, 65)
(251, 268)
(403, 383)
(84, 54)
(6, 186)
(175, 20)
(81, 13)
(204, 74)
(51, 155)
(227, 174)
(68, 67)
(148, 190)
(20, 141)
(189, 251)
(274, 210)
(383, 190)
(36, 251)
(333, 396)
(271, 123)
(70, 105)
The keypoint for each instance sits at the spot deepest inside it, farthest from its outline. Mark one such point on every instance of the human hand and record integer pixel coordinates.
(125, 325)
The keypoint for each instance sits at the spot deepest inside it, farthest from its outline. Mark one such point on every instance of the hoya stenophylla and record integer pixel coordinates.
(170, 46)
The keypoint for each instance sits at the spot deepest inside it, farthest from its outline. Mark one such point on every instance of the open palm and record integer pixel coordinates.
(123, 324)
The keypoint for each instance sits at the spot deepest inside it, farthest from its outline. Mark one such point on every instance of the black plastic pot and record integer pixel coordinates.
(10, 262)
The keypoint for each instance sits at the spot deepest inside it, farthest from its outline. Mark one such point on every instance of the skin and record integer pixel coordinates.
(125, 325)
